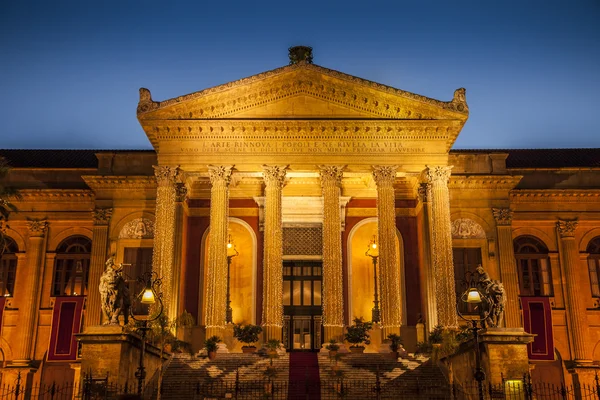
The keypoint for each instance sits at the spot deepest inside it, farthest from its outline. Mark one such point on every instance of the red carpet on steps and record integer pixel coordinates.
(304, 381)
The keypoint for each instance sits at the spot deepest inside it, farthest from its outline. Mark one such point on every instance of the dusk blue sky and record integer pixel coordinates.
(70, 71)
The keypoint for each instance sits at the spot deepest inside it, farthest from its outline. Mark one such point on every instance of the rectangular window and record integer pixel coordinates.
(70, 275)
(534, 275)
(286, 293)
(296, 294)
(307, 293)
(317, 293)
(140, 260)
(8, 271)
(466, 259)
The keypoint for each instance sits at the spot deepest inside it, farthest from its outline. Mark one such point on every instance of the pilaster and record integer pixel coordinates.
(442, 245)
(429, 273)
(576, 314)
(164, 235)
(93, 309)
(389, 272)
(28, 304)
(508, 269)
(333, 296)
(274, 177)
(216, 287)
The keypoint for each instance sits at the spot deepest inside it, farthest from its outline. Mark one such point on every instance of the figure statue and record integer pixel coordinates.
(493, 290)
(114, 293)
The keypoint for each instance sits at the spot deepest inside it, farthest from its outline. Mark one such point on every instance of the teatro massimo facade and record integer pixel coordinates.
(301, 169)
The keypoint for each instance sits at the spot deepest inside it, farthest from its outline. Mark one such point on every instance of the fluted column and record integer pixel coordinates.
(576, 310)
(216, 287)
(272, 313)
(180, 196)
(93, 307)
(442, 246)
(28, 299)
(333, 296)
(429, 273)
(389, 270)
(164, 234)
(508, 269)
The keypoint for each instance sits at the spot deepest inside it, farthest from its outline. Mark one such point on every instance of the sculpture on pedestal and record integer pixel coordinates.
(114, 293)
(494, 291)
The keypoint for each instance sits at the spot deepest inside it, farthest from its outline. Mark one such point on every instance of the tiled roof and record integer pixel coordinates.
(545, 158)
(23, 158)
(517, 158)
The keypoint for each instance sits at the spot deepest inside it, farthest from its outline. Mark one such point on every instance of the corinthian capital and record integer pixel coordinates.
(331, 174)
(165, 175)
(102, 216)
(438, 174)
(37, 227)
(180, 192)
(566, 228)
(274, 175)
(220, 174)
(503, 216)
(384, 174)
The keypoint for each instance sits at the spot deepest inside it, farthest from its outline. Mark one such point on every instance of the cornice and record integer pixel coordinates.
(322, 88)
(499, 182)
(120, 182)
(549, 196)
(58, 194)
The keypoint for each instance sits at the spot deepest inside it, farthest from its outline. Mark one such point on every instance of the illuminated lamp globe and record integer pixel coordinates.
(473, 297)
(148, 297)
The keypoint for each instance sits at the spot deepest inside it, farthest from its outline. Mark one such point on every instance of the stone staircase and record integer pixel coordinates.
(408, 377)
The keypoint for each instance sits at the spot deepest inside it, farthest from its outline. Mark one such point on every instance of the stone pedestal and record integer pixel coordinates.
(22, 376)
(108, 350)
(504, 353)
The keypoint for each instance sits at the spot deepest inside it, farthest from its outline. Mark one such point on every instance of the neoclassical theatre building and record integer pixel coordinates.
(301, 168)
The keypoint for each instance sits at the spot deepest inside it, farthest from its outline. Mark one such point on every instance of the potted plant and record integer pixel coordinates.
(272, 346)
(395, 344)
(436, 336)
(333, 347)
(358, 334)
(211, 346)
(247, 334)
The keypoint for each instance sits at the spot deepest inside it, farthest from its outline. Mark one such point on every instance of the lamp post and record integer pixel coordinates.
(231, 252)
(373, 252)
(475, 297)
(149, 295)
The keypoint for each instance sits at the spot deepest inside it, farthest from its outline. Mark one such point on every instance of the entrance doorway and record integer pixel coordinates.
(302, 299)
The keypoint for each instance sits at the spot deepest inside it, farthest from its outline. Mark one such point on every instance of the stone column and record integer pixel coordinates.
(216, 286)
(180, 196)
(508, 268)
(389, 270)
(429, 274)
(164, 234)
(29, 298)
(272, 313)
(576, 310)
(93, 308)
(442, 246)
(333, 296)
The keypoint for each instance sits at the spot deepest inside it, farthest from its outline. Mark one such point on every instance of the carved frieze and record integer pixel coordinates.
(139, 228)
(503, 216)
(566, 228)
(102, 216)
(465, 228)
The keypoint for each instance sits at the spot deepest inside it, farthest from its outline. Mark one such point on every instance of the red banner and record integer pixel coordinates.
(66, 322)
(537, 319)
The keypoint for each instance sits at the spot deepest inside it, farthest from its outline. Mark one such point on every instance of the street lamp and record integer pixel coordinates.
(474, 296)
(231, 252)
(373, 252)
(149, 296)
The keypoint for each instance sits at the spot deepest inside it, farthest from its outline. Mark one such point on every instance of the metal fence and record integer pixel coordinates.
(325, 389)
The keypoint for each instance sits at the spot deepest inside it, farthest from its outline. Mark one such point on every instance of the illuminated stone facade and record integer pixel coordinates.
(287, 153)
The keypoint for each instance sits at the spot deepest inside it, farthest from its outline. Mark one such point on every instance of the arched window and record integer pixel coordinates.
(533, 267)
(594, 265)
(71, 267)
(8, 267)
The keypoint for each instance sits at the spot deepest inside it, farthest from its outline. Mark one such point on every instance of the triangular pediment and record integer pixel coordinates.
(302, 91)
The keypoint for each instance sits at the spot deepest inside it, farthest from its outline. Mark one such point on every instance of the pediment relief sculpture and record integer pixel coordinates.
(139, 228)
(465, 228)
